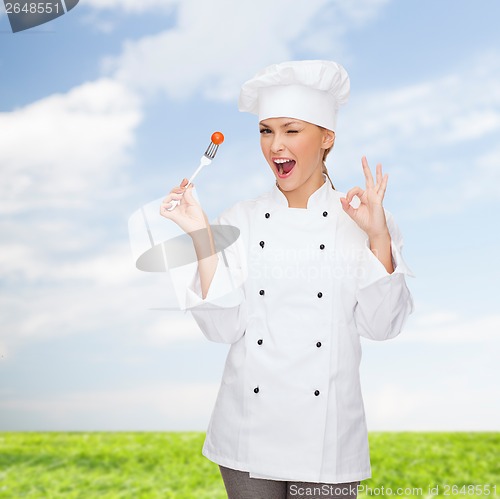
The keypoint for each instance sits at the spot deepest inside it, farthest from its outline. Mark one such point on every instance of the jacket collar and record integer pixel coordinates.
(318, 199)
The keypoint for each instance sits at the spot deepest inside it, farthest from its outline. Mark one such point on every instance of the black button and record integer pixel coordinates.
(318, 344)
(316, 393)
(320, 294)
(261, 292)
(259, 342)
(325, 213)
(256, 390)
(267, 215)
(262, 244)
(321, 246)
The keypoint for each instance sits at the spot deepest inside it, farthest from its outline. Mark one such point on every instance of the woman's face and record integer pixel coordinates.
(294, 150)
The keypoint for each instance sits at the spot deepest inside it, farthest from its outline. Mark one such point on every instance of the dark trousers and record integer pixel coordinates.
(239, 485)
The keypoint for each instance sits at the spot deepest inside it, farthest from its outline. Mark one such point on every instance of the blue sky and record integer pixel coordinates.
(106, 108)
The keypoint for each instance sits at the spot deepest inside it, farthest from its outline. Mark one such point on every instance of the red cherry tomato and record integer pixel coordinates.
(217, 138)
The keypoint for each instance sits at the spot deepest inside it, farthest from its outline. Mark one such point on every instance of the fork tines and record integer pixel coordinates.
(211, 150)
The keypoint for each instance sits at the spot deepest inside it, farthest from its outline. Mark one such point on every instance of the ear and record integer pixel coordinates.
(328, 138)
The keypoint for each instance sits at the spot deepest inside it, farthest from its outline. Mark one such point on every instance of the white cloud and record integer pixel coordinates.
(50, 299)
(462, 106)
(449, 404)
(61, 252)
(112, 267)
(104, 17)
(452, 328)
(442, 379)
(173, 329)
(361, 11)
(217, 45)
(4, 351)
(58, 150)
(132, 6)
(67, 274)
(483, 182)
(358, 11)
(427, 136)
(33, 263)
(179, 406)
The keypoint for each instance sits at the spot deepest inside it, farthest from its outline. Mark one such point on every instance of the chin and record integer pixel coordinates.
(285, 186)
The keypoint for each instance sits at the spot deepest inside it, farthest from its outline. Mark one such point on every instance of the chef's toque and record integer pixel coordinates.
(310, 91)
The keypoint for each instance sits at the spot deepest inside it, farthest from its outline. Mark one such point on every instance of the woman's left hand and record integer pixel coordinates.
(369, 215)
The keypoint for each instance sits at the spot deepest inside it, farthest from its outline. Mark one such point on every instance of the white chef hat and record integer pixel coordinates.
(310, 91)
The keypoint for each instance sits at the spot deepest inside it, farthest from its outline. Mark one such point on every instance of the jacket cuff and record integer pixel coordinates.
(222, 291)
(373, 269)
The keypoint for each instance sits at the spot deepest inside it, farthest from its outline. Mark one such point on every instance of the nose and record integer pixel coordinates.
(277, 144)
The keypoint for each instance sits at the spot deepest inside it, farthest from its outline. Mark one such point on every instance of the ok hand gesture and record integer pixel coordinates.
(370, 214)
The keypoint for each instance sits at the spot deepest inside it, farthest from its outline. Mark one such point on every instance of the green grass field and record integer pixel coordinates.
(170, 465)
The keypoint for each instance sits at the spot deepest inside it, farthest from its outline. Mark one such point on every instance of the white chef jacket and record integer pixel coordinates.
(292, 296)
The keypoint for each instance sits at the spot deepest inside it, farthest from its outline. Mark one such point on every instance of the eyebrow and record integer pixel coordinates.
(288, 123)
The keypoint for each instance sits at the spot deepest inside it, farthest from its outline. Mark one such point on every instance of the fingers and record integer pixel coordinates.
(378, 174)
(350, 210)
(347, 207)
(381, 180)
(173, 195)
(355, 191)
(383, 185)
(367, 172)
(165, 206)
(184, 196)
(188, 195)
(177, 193)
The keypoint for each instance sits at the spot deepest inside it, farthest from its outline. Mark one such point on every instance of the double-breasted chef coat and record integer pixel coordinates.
(292, 296)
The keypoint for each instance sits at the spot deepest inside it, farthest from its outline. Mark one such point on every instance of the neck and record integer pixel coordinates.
(299, 197)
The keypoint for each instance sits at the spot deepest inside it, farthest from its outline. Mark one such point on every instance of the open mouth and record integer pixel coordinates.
(284, 166)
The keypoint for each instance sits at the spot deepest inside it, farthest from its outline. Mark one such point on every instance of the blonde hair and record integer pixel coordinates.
(325, 154)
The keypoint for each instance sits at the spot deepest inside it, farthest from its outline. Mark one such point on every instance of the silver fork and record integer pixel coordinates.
(205, 160)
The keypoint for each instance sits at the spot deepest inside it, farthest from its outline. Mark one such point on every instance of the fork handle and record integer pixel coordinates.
(204, 161)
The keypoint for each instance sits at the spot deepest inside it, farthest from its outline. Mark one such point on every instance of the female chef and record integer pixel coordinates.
(311, 271)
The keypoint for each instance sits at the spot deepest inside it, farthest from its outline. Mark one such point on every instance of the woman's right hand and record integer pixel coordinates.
(188, 214)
